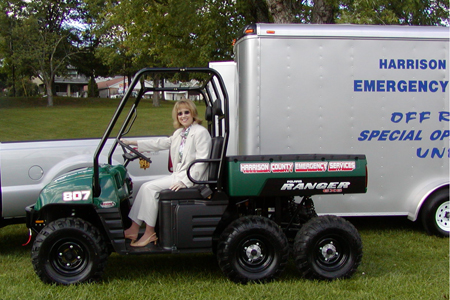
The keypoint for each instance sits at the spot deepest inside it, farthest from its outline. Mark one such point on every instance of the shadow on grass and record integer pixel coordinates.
(176, 267)
(386, 223)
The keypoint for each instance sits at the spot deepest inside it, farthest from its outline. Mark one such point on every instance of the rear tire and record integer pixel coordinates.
(327, 248)
(435, 214)
(69, 251)
(254, 249)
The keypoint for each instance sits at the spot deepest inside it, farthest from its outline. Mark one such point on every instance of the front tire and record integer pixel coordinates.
(69, 251)
(327, 248)
(435, 214)
(254, 249)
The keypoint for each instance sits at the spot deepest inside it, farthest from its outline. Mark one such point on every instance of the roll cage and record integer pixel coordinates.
(210, 86)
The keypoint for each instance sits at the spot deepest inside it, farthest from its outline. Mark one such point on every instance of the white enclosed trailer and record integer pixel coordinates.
(381, 91)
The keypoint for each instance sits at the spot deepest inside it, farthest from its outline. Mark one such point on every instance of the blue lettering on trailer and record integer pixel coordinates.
(421, 85)
(390, 135)
(413, 135)
(411, 86)
(413, 64)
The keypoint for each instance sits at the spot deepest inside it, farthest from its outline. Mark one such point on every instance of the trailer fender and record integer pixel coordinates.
(420, 195)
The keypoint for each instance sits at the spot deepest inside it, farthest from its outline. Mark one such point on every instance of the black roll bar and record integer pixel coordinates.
(140, 74)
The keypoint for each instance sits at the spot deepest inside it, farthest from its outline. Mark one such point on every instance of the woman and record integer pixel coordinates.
(189, 142)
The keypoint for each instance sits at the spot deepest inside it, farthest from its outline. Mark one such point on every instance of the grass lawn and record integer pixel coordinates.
(29, 119)
(400, 261)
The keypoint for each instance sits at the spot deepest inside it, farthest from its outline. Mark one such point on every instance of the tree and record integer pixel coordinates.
(405, 12)
(7, 41)
(167, 33)
(324, 11)
(44, 39)
(3, 77)
(112, 30)
(92, 88)
(255, 11)
(281, 11)
(45, 52)
(86, 61)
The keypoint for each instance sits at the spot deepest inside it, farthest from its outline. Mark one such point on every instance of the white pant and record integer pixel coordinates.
(145, 206)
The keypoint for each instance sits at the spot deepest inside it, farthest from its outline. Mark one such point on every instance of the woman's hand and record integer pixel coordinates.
(130, 143)
(178, 185)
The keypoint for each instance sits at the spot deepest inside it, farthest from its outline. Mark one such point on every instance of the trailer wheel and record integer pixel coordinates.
(326, 248)
(69, 251)
(435, 214)
(254, 249)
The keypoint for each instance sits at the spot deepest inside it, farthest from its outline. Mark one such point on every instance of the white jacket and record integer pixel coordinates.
(197, 146)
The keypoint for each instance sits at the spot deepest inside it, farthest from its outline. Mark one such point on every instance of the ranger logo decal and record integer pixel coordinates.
(292, 185)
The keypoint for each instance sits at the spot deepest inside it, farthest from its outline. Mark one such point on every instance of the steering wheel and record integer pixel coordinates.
(127, 156)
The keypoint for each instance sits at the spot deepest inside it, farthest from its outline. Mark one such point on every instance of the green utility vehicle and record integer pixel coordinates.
(252, 212)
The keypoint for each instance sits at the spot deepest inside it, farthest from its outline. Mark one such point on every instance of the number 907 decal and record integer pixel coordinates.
(76, 195)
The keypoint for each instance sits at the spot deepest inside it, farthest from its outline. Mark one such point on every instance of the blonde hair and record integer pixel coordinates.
(192, 109)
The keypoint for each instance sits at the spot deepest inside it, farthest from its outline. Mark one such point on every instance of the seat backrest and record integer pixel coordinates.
(216, 151)
(214, 116)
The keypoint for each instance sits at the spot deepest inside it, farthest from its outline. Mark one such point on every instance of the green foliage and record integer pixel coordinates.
(386, 12)
(24, 88)
(3, 80)
(92, 88)
(168, 33)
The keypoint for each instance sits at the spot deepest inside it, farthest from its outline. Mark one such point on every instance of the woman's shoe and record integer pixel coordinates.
(152, 239)
(132, 237)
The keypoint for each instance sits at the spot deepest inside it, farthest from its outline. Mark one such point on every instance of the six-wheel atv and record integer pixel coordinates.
(252, 212)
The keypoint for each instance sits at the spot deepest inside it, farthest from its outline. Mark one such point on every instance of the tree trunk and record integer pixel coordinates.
(49, 94)
(156, 94)
(13, 80)
(324, 12)
(259, 11)
(281, 11)
(156, 99)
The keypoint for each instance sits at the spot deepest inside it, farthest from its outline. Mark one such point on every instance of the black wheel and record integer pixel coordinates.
(435, 214)
(326, 248)
(252, 249)
(69, 251)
